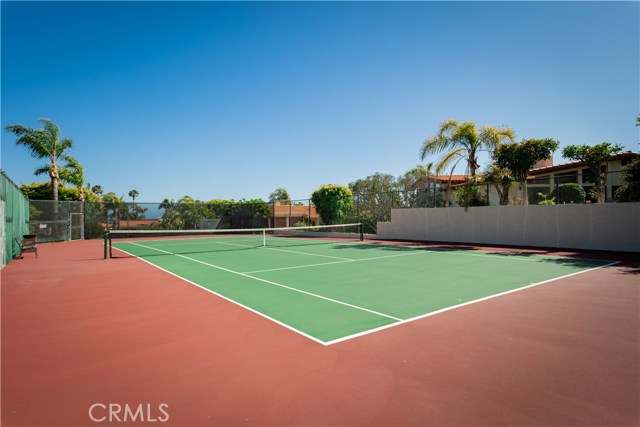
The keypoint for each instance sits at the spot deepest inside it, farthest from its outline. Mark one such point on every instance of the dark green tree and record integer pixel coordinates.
(596, 158)
(520, 157)
(114, 209)
(334, 203)
(97, 189)
(630, 191)
(280, 195)
(374, 197)
(133, 194)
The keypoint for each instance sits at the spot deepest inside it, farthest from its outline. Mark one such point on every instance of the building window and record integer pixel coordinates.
(566, 178)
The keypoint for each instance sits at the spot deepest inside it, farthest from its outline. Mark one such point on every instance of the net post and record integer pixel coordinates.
(264, 237)
(361, 231)
(105, 237)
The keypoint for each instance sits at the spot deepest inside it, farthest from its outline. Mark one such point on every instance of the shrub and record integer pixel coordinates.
(545, 199)
(470, 196)
(570, 193)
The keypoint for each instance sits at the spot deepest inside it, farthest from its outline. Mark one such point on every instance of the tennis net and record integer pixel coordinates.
(186, 241)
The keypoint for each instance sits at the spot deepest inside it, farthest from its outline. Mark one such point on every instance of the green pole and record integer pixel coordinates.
(106, 238)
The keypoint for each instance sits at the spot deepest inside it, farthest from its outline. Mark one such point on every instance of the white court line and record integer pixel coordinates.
(433, 313)
(272, 283)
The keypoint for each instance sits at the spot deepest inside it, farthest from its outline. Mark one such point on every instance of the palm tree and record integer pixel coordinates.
(73, 173)
(133, 194)
(502, 179)
(44, 144)
(463, 141)
(97, 189)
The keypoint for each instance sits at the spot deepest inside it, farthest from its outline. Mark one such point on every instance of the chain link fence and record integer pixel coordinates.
(14, 209)
(72, 220)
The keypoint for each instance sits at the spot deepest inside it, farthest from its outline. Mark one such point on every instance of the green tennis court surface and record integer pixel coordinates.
(331, 291)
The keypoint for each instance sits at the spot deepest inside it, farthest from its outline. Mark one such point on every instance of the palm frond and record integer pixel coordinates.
(35, 142)
(63, 145)
(491, 136)
(42, 170)
(18, 129)
(434, 145)
(72, 172)
(51, 129)
(447, 127)
(449, 157)
(466, 135)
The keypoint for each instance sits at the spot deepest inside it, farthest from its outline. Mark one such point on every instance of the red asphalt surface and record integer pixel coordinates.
(78, 330)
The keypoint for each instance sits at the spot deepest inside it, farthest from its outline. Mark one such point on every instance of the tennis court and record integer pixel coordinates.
(330, 290)
(79, 330)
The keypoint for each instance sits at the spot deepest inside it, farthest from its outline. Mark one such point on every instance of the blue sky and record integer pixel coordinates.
(233, 100)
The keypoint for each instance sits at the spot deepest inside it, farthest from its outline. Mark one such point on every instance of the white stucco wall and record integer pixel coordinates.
(609, 226)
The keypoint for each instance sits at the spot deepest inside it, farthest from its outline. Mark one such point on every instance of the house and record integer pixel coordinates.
(290, 215)
(546, 178)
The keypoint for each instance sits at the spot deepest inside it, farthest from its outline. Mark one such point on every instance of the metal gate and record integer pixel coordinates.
(76, 226)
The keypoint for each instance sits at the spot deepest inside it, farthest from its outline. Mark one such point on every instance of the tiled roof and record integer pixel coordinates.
(571, 165)
(455, 179)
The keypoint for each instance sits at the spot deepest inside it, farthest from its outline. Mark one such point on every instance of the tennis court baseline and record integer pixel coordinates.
(330, 291)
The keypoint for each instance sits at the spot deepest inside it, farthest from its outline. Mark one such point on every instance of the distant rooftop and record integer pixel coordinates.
(569, 165)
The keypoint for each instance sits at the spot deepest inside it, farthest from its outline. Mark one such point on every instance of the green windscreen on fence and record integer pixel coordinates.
(16, 216)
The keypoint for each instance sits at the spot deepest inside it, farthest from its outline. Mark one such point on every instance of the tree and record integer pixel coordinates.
(519, 158)
(630, 191)
(134, 211)
(374, 196)
(417, 178)
(419, 188)
(596, 158)
(501, 178)
(73, 173)
(116, 205)
(97, 189)
(133, 194)
(42, 191)
(44, 143)
(334, 203)
(280, 195)
(463, 141)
